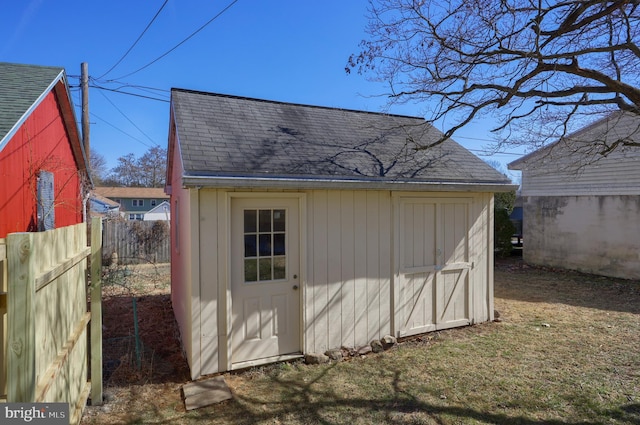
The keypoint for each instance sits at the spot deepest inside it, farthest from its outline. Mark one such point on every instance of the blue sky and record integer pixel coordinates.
(286, 50)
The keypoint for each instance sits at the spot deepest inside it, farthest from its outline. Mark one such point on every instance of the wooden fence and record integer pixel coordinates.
(45, 316)
(136, 242)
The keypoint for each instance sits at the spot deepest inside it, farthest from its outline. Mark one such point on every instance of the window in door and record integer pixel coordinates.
(265, 253)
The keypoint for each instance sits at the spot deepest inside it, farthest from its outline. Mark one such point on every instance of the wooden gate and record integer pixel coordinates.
(432, 266)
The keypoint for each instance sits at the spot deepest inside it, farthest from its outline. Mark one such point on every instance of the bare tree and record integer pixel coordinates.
(98, 167)
(153, 167)
(126, 173)
(538, 69)
(145, 171)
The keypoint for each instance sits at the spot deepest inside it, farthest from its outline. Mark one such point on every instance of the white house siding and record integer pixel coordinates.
(582, 215)
(558, 174)
(593, 234)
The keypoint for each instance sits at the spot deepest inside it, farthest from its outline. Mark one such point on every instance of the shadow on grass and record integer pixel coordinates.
(518, 281)
(306, 403)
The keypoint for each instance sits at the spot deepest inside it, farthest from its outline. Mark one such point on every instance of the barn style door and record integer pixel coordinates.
(265, 268)
(432, 270)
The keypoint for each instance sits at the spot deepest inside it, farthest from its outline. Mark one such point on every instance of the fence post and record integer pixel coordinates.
(96, 312)
(21, 361)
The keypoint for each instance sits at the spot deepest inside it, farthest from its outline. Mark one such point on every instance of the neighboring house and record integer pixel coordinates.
(43, 168)
(134, 202)
(160, 212)
(103, 207)
(297, 229)
(581, 210)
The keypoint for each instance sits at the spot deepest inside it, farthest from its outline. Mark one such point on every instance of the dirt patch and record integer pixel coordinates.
(149, 366)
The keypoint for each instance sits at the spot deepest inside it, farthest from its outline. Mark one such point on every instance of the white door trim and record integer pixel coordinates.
(224, 325)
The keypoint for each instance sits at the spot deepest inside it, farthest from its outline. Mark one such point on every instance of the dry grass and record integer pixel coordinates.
(566, 352)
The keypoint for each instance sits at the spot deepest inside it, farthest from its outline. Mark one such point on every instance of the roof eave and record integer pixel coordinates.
(70, 122)
(244, 182)
(16, 126)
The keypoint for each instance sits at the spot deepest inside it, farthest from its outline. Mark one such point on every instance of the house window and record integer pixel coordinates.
(46, 207)
(264, 245)
(138, 203)
(135, 216)
(153, 202)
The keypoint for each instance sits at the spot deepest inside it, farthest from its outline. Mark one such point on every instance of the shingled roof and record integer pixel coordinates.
(228, 140)
(21, 87)
(588, 145)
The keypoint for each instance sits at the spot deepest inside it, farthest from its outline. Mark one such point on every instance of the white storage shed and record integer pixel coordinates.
(297, 229)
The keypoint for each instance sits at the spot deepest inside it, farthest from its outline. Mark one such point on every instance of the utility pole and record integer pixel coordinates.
(84, 83)
(84, 87)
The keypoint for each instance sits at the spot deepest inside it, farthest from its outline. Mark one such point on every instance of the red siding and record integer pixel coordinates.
(41, 143)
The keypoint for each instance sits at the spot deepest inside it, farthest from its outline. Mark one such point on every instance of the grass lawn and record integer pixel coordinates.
(567, 351)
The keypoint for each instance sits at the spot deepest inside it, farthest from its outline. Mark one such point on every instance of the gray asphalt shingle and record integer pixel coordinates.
(20, 87)
(222, 135)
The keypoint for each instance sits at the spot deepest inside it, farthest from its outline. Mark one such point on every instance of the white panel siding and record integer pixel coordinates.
(193, 241)
(481, 253)
(385, 263)
(360, 285)
(372, 244)
(208, 337)
(334, 269)
(317, 281)
(347, 272)
(348, 286)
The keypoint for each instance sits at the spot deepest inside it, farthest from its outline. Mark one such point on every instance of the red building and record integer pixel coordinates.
(43, 170)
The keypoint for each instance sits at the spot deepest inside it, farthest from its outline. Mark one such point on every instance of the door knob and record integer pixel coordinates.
(295, 287)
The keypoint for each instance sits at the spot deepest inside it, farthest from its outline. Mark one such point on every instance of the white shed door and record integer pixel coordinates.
(265, 268)
(433, 265)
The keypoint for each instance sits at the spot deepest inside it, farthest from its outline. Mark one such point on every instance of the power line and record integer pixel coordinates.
(182, 42)
(128, 119)
(137, 40)
(130, 85)
(122, 131)
(129, 93)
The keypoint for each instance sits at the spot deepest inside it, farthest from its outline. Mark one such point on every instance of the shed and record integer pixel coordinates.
(581, 209)
(42, 161)
(297, 229)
